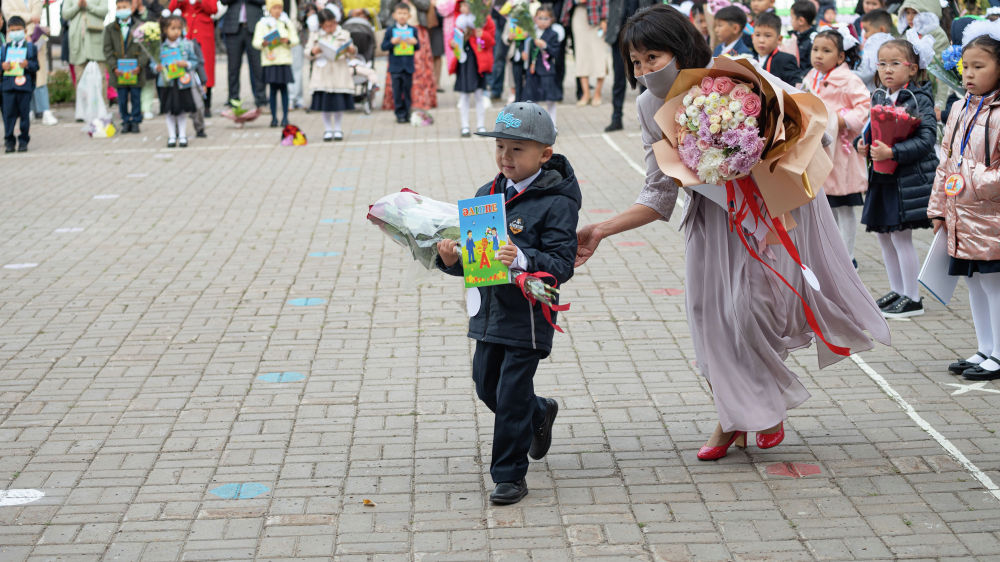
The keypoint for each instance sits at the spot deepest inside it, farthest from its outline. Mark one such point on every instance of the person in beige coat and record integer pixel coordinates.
(86, 34)
(31, 12)
(332, 82)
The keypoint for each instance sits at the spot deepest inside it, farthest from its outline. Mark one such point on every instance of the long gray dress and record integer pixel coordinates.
(744, 321)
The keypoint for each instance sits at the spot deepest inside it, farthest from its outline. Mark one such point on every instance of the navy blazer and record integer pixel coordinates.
(740, 48)
(399, 63)
(552, 48)
(784, 66)
(8, 84)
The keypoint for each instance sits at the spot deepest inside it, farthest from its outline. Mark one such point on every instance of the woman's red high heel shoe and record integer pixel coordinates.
(707, 453)
(768, 440)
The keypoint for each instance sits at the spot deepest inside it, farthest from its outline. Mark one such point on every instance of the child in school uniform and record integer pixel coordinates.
(276, 57)
(176, 99)
(876, 26)
(896, 203)
(543, 203)
(472, 69)
(18, 84)
(766, 39)
(834, 52)
(331, 82)
(966, 188)
(541, 86)
(401, 60)
(728, 26)
(119, 44)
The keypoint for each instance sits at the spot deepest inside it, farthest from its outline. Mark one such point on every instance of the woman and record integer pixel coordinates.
(201, 27)
(743, 320)
(424, 91)
(589, 24)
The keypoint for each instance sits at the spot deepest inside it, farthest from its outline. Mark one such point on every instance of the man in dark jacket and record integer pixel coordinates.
(237, 32)
(512, 335)
(618, 13)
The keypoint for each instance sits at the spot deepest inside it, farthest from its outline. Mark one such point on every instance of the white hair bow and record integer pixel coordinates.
(979, 28)
(923, 46)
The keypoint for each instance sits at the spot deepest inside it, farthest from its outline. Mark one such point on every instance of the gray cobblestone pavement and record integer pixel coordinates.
(131, 354)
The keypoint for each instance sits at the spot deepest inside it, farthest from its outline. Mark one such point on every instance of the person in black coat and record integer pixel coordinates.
(542, 202)
(237, 32)
(766, 37)
(896, 203)
(618, 13)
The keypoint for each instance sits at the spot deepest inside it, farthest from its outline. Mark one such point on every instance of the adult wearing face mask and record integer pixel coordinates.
(201, 28)
(237, 31)
(86, 35)
(31, 12)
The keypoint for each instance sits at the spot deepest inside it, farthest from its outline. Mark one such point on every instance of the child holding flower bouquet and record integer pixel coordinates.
(543, 51)
(471, 70)
(966, 189)
(513, 334)
(902, 168)
(743, 321)
(834, 53)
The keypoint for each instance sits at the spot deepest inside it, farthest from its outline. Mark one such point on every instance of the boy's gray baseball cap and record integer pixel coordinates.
(524, 121)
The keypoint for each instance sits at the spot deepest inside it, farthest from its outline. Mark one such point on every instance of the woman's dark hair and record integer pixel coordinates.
(326, 15)
(905, 47)
(663, 28)
(984, 42)
(547, 8)
(851, 56)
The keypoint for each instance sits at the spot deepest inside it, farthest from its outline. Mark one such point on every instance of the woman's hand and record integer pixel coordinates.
(448, 252)
(880, 151)
(587, 239)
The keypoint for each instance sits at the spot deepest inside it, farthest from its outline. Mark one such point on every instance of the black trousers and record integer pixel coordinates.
(519, 74)
(16, 105)
(402, 83)
(504, 382)
(618, 87)
(236, 45)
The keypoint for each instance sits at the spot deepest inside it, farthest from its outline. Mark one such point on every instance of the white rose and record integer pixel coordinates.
(714, 129)
(715, 119)
(682, 119)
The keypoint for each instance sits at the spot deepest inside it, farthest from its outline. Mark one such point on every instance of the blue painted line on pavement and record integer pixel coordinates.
(341, 188)
(284, 376)
(240, 491)
(311, 301)
(361, 132)
(323, 254)
(348, 169)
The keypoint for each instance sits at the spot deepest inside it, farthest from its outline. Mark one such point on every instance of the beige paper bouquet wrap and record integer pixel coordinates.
(793, 165)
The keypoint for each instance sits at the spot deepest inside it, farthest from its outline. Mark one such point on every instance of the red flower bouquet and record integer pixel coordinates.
(890, 124)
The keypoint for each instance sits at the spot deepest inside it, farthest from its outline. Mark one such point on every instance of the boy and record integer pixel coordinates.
(759, 7)
(119, 45)
(803, 16)
(877, 27)
(728, 27)
(543, 204)
(766, 36)
(401, 59)
(20, 62)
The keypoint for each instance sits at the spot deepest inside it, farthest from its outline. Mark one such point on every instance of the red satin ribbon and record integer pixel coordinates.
(546, 309)
(748, 187)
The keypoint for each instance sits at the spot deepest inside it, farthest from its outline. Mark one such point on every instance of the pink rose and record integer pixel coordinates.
(723, 85)
(706, 85)
(751, 106)
(739, 92)
(694, 92)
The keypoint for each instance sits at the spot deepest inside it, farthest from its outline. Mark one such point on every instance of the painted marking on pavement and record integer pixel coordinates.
(68, 229)
(19, 497)
(947, 445)
(341, 188)
(20, 265)
(284, 376)
(311, 301)
(963, 388)
(632, 244)
(240, 491)
(793, 469)
(323, 254)
(332, 221)
(137, 175)
(632, 163)
(668, 292)
(106, 196)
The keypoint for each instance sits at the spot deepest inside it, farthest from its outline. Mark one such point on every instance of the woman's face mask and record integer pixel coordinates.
(660, 81)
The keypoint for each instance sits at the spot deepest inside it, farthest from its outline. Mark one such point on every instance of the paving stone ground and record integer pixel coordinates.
(130, 357)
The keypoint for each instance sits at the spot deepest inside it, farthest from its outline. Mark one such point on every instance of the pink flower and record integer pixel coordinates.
(706, 85)
(723, 85)
(751, 106)
(739, 92)
(694, 92)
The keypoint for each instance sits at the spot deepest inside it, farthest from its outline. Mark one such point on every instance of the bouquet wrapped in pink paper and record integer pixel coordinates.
(890, 124)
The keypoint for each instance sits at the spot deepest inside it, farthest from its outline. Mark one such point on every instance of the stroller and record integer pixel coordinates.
(363, 36)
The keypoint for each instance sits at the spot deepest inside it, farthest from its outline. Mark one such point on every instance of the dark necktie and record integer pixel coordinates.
(511, 192)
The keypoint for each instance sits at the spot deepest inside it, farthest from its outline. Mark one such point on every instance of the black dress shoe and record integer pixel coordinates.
(201, 134)
(959, 367)
(135, 128)
(542, 438)
(616, 125)
(274, 121)
(507, 493)
(887, 299)
(22, 147)
(8, 148)
(978, 373)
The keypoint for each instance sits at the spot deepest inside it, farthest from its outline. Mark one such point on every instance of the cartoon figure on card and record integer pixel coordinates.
(470, 247)
(496, 241)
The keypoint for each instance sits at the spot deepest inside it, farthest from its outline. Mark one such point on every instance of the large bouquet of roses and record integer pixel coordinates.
(890, 124)
(718, 137)
(416, 222)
